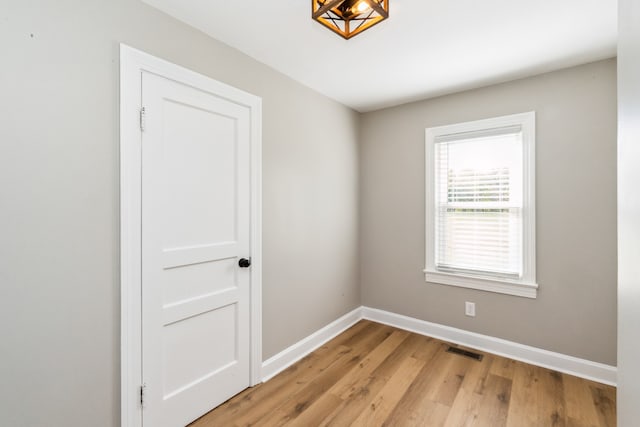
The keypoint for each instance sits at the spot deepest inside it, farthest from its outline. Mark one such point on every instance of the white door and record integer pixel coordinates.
(195, 231)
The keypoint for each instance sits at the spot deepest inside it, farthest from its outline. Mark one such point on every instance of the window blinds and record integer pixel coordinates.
(479, 202)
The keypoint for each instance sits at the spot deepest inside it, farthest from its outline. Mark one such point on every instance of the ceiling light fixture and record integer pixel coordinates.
(349, 17)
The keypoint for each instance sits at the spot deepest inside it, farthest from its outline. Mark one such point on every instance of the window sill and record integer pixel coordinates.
(501, 286)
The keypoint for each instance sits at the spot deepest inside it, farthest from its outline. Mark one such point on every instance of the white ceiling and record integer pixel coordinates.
(426, 48)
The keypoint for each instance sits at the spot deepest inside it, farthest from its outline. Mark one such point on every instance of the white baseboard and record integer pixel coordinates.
(594, 371)
(281, 361)
(547, 359)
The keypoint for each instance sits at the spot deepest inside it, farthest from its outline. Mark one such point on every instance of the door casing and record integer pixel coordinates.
(132, 63)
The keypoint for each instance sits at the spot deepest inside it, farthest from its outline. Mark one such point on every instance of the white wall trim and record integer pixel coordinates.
(502, 286)
(599, 372)
(281, 361)
(582, 368)
(256, 243)
(132, 63)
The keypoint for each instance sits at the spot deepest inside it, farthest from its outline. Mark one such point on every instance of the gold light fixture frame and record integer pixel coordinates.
(349, 18)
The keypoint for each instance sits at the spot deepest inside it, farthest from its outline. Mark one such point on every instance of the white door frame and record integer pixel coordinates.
(132, 63)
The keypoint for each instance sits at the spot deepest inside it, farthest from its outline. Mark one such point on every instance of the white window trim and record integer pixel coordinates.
(526, 286)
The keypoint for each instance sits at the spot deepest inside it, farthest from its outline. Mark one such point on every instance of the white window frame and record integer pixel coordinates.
(525, 286)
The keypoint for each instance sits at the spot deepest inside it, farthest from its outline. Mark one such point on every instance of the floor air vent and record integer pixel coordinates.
(465, 353)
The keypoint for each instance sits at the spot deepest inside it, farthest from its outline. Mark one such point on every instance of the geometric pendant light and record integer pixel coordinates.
(349, 17)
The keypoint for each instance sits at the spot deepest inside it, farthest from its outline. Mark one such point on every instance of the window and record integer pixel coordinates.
(480, 225)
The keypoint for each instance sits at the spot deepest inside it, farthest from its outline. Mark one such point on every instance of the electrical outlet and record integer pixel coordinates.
(470, 309)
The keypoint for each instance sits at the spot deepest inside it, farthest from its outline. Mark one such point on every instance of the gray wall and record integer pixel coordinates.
(59, 269)
(628, 213)
(575, 312)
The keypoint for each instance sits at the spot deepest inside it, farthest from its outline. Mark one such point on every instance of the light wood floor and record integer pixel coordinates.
(374, 375)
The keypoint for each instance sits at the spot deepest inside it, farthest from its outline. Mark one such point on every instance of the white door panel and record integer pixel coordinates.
(200, 147)
(195, 227)
(183, 283)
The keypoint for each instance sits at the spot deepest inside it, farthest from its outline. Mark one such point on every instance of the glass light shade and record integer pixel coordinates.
(349, 17)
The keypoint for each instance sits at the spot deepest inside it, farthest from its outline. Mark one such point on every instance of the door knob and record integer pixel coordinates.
(244, 263)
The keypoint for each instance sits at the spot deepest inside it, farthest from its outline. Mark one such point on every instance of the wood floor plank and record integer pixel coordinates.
(579, 404)
(427, 348)
(604, 399)
(432, 414)
(480, 393)
(370, 363)
(448, 380)
(358, 397)
(524, 405)
(477, 374)
(494, 407)
(488, 409)
(329, 401)
(503, 367)
(300, 400)
(540, 399)
(376, 375)
(552, 398)
(465, 409)
(417, 404)
(317, 412)
(383, 403)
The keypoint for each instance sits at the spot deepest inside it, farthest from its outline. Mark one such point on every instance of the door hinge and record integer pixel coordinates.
(142, 390)
(143, 118)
